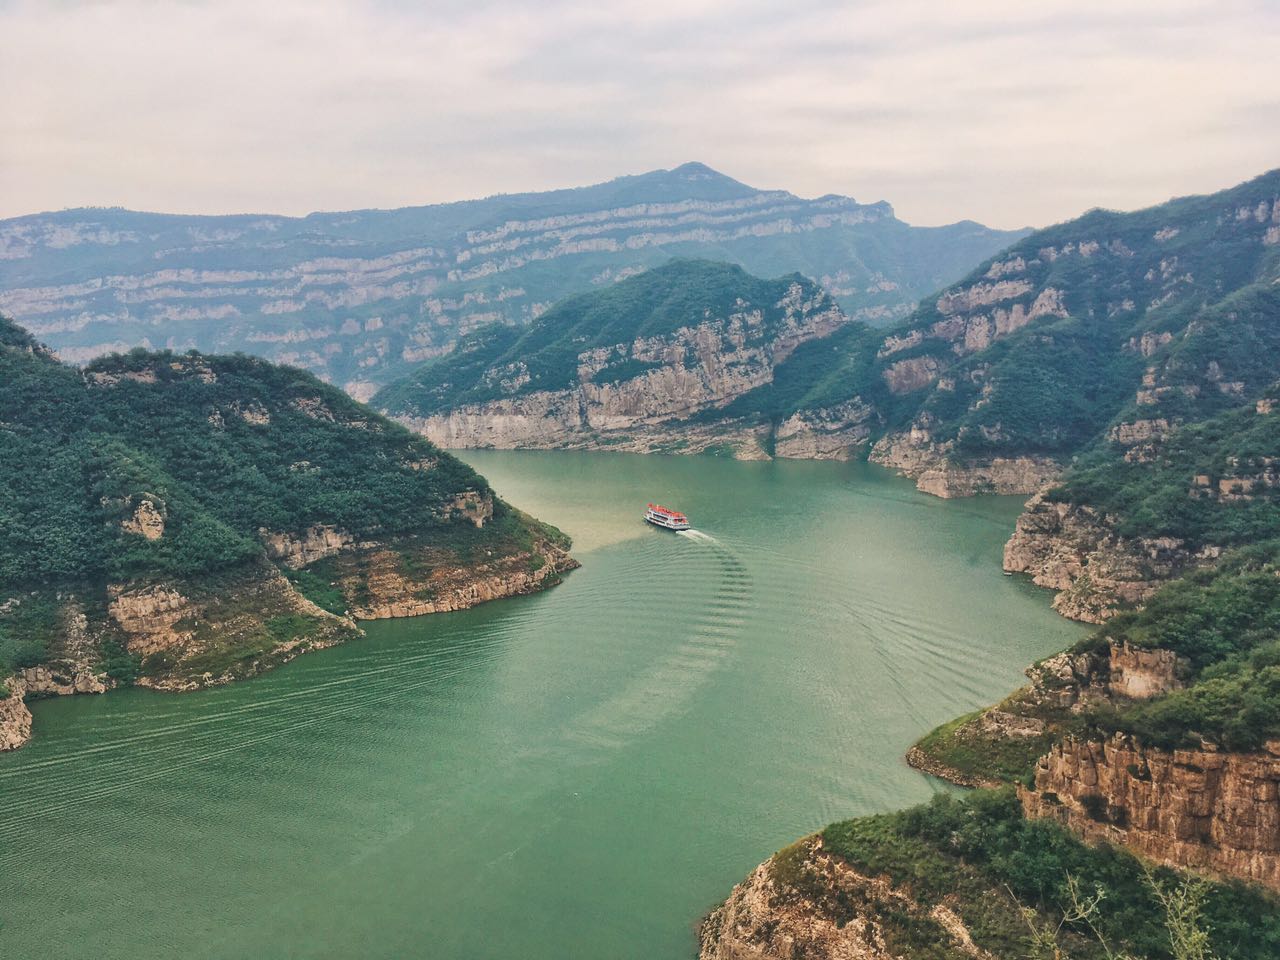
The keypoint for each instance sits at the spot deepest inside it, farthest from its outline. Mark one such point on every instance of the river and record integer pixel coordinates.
(579, 774)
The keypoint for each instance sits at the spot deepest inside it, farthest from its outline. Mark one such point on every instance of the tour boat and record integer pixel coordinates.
(662, 517)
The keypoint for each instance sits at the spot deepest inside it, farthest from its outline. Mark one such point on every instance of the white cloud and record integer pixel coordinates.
(1005, 112)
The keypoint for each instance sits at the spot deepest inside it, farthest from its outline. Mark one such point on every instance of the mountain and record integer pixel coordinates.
(1126, 369)
(179, 520)
(992, 384)
(360, 297)
(624, 367)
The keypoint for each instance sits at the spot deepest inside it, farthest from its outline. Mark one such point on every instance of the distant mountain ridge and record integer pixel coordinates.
(360, 297)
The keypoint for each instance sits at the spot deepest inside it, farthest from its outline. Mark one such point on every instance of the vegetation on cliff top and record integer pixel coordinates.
(1210, 482)
(1224, 624)
(1041, 350)
(1186, 287)
(980, 857)
(159, 466)
(499, 361)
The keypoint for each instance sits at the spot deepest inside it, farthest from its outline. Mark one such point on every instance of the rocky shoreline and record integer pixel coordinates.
(1072, 549)
(176, 623)
(805, 902)
(15, 718)
(917, 759)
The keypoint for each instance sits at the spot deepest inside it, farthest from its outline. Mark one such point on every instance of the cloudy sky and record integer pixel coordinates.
(1011, 113)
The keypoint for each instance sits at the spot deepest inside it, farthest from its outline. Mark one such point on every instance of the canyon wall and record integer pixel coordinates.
(1076, 551)
(669, 407)
(15, 718)
(358, 295)
(1203, 809)
(804, 902)
(932, 467)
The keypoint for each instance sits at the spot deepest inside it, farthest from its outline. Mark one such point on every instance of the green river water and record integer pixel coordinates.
(582, 773)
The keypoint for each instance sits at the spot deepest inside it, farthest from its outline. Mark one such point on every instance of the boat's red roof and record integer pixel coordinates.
(670, 513)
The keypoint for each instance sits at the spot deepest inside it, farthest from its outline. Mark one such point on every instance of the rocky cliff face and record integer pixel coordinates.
(296, 550)
(192, 634)
(1002, 743)
(383, 583)
(15, 718)
(1074, 550)
(1203, 809)
(695, 369)
(827, 433)
(198, 634)
(806, 903)
(934, 470)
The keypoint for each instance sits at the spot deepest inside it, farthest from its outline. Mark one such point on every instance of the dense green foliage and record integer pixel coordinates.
(1163, 498)
(968, 749)
(1192, 274)
(1210, 615)
(223, 448)
(498, 361)
(972, 853)
(1225, 622)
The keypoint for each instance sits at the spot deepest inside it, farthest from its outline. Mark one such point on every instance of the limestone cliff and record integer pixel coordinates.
(828, 433)
(806, 903)
(411, 581)
(1002, 743)
(176, 515)
(1204, 809)
(644, 365)
(936, 471)
(1074, 550)
(201, 633)
(15, 718)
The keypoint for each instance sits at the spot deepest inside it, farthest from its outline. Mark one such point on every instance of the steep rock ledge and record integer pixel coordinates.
(1203, 809)
(830, 433)
(931, 466)
(1074, 550)
(384, 584)
(15, 718)
(804, 902)
(1003, 743)
(234, 625)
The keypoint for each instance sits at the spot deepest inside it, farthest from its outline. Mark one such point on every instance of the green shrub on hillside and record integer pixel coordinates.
(972, 852)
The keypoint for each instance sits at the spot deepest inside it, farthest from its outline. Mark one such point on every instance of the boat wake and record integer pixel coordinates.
(697, 535)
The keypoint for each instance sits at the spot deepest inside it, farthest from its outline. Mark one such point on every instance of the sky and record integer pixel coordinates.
(1010, 113)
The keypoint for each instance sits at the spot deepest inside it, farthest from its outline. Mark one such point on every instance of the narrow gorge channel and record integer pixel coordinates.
(584, 772)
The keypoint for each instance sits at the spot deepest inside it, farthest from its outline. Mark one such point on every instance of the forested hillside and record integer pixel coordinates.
(152, 505)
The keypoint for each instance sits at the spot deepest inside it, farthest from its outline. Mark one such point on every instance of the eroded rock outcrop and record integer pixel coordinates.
(934, 470)
(828, 433)
(1203, 809)
(805, 902)
(147, 520)
(195, 634)
(1075, 550)
(15, 718)
(695, 369)
(1025, 723)
(388, 583)
(296, 550)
